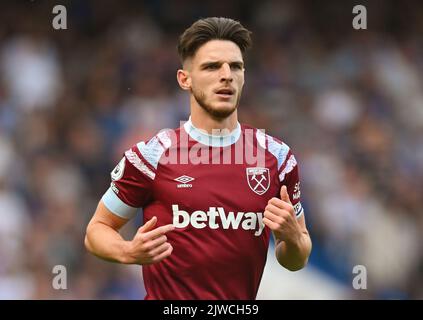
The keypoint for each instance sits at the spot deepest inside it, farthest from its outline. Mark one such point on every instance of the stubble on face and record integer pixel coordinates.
(216, 113)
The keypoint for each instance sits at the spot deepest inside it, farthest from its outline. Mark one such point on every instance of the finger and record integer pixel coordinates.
(272, 225)
(274, 218)
(155, 242)
(284, 194)
(280, 203)
(148, 225)
(158, 231)
(275, 209)
(283, 209)
(163, 255)
(157, 251)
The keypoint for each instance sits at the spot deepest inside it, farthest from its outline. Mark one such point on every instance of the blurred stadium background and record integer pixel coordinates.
(349, 103)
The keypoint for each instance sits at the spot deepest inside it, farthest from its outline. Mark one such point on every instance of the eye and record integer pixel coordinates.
(236, 66)
(211, 67)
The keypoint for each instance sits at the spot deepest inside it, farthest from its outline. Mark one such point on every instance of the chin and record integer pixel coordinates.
(222, 111)
(217, 109)
(224, 107)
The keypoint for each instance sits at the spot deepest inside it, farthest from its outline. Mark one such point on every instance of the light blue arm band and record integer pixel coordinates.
(117, 206)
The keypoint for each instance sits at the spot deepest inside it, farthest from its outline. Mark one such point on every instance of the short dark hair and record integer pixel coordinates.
(213, 28)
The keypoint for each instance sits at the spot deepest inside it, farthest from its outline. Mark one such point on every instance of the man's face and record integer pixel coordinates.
(217, 77)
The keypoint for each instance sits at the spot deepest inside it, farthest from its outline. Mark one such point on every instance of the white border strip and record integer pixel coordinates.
(136, 161)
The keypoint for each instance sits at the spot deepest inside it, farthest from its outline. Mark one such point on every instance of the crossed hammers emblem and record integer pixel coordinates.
(259, 176)
(259, 182)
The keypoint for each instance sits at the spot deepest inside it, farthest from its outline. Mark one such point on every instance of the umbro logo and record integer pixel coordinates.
(184, 181)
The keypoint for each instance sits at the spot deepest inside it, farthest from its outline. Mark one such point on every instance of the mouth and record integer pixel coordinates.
(225, 92)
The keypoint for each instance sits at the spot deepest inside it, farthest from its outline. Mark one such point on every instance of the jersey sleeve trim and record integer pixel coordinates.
(278, 149)
(290, 165)
(165, 139)
(136, 161)
(117, 206)
(153, 150)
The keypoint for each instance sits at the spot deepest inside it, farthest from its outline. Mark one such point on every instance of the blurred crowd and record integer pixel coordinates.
(348, 102)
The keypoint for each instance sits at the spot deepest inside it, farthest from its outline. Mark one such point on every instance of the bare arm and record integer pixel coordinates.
(103, 239)
(293, 243)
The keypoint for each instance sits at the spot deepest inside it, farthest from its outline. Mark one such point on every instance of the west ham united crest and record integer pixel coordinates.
(258, 179)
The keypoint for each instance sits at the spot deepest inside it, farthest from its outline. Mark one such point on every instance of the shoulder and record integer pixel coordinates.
(275, 146)
(151, 150)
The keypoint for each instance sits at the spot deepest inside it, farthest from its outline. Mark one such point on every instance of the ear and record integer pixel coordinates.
(184, 79)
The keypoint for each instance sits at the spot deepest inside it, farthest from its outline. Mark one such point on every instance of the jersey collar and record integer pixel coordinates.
(203, 137)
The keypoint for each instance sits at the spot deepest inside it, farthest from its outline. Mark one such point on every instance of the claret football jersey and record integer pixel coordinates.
(213, 189)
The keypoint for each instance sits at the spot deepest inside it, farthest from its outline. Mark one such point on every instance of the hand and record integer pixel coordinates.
(279, 216)
(150, 245)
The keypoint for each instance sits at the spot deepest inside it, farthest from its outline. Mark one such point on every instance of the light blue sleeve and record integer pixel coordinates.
(117, 206)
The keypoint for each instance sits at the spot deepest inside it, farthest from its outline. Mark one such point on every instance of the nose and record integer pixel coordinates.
(225, 73)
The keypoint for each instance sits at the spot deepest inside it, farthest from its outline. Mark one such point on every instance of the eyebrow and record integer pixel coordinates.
(219, 63)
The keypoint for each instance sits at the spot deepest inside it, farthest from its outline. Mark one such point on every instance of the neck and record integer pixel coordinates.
(202, 120)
